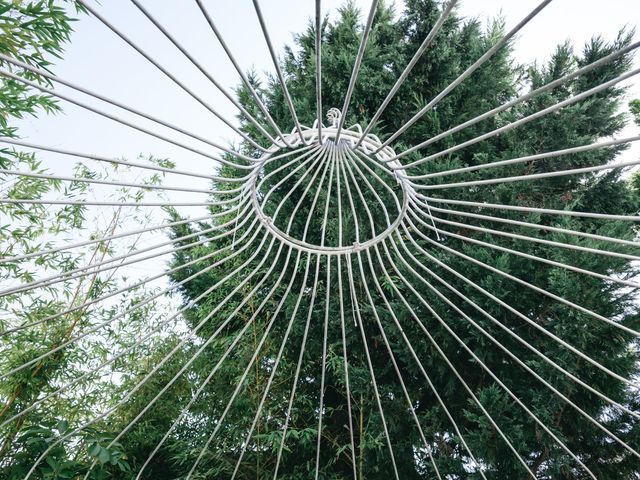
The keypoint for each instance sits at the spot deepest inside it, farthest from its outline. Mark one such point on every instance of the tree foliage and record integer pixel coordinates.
(392, 43)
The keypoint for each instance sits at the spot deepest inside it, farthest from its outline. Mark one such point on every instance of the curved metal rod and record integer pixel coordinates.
(356, 67)
(477, 64)
(123, 106)
(276, 64)
(108, 238)
(129, 394)
(318, 25)
(122, 121)
(591, 273)
(203, 70)
(537, 226)
(96, 328)
(525, 159)
(517, 208)
(419, 362)
(485, 368)
(202, 348)
(93, 268)
(331, 160)
(223, 357)
(159, 328)
(534, 239)
(374, 310)
(309, 309)
(115, 161)
(412, 63)
(410, 402)
(108, 182)
(522, 98)
(537, 289)
(527, 119)
(346, 365)
(506, 328)
(531, 176)
(526, 367)
(168, 74)
(276, 363)
(242, 75)
(124, 289)
(374, 383)
(256, 288)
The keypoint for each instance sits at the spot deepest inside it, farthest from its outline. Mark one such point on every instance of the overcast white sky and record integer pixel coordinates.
(99, 60)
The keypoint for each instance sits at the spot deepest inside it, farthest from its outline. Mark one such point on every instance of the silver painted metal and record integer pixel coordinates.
(243, 76)
(368, 222)
(549, 86)
(276, 64)
(318, 32)
(167, 73)
(356, 65)
(467, 73)
(55, 93)
(412, 63)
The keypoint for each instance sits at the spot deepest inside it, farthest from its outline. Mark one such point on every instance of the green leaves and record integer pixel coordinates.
(634, 107)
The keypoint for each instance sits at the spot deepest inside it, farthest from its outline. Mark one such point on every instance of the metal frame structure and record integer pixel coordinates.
(333, 162)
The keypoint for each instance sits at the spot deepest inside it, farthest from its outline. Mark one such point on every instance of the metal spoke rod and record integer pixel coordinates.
(356, 67)
(531, 176)
(120, 120)
(108, 182)
(533, 416)
(376, 316)
(374, 382)
(90, 269)
(323, 368)
(108, 238)
(534, 288)
(241, 73)
(108, 412)
(467, 73)
(419, 362)
(203, 70)
(28, 201)
(202, 348)
(476, 400)
(123, 106)
(136, 285)
(276, 64)
(86, 375)
(407, 70)
(527, 119)
(325, 333)
(147, 300)
(534, 239)
(506, 328)
(537, 226)
(115, 161)
(169, 75)
(274, 367)
(517, 208)
(261, 342)
(346, 364)
(591, 273)
(318, 26)
(250, 322)
(527, 159)
(522, 98)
